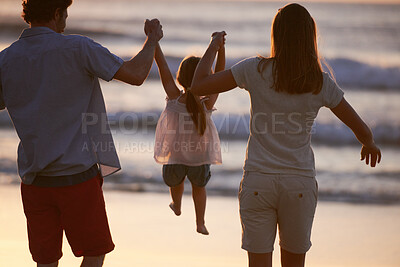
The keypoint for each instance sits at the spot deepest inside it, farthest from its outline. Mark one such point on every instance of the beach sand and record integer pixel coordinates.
(146, 233)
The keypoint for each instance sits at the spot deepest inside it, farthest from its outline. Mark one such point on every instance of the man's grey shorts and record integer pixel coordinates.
(270, 200)
(174, 174)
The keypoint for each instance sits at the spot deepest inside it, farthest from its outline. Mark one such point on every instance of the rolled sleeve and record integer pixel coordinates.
(332, 93)
(98, 60)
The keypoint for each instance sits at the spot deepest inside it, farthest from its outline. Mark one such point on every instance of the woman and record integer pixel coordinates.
(286, 90)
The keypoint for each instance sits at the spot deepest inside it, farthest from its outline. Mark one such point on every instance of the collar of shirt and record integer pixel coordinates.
(35, 31)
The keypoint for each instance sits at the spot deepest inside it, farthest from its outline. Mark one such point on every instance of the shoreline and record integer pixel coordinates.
(146, 233)
(159, 187)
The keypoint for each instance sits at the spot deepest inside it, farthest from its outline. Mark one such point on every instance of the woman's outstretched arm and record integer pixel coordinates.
(369, 151)
(205, 83)
(167, 79)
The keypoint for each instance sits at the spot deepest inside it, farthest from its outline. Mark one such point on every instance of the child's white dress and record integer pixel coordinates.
(178, 142)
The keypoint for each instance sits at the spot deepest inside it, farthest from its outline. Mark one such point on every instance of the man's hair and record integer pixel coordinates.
(42, 10)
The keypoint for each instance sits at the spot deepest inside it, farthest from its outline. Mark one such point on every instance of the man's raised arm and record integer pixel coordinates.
(136, 70)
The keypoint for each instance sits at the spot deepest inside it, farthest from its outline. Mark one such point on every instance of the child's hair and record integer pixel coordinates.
(193, 105)
(296, 65)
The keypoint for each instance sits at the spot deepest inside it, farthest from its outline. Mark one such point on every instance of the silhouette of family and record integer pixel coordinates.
(49, 83)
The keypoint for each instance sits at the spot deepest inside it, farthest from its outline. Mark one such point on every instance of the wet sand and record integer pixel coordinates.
(147, 233)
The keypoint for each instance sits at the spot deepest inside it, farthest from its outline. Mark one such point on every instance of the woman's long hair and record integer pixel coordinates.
(296, 65)
(193, 105)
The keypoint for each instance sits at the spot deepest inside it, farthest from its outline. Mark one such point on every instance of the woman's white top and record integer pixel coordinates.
(178, 142)
(281, 124)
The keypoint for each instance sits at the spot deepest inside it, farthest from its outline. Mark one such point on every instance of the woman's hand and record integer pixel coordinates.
(371, 154)
(205, 83)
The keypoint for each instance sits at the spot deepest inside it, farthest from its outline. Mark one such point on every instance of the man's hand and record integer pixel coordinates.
(218, 40)
(153, 29)
(136, 70)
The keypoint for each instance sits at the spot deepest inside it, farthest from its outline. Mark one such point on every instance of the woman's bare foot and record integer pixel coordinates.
(202, 229)
(175, 209)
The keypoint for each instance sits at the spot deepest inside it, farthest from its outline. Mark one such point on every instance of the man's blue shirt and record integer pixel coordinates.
(49, 85)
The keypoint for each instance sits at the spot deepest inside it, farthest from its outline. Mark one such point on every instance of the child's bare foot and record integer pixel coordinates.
(202, 229)
(175, 209)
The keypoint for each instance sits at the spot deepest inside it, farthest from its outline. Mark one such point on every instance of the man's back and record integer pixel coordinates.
(49, 85)
(49, 82)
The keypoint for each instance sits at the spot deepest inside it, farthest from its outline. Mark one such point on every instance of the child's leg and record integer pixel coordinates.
(176, 195)
(174, 176)
(199, 195)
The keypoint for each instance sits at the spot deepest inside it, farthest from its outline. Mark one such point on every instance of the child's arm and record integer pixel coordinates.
(167, 79)
(369, 151)
(219, 66)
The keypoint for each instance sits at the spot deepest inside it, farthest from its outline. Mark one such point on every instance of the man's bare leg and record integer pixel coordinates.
(93, 261)
(54, 264)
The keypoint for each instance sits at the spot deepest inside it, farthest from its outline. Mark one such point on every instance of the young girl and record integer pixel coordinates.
(187, 141)
(286, 91)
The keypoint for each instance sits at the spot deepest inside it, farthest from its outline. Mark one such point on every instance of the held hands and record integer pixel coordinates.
(153, 29)
(218, 40)
(371, 154)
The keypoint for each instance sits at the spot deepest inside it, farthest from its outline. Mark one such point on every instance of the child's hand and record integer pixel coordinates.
(218, 40)
(371, 154)
(153, 29)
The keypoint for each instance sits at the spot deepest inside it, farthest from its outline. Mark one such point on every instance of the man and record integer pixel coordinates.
(49, 85)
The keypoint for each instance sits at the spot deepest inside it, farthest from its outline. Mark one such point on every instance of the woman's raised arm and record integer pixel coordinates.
(205, 83)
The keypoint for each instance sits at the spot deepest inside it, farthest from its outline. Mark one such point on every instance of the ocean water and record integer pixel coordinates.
(361, 42)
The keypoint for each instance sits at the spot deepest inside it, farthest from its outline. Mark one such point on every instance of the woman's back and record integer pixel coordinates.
(281, 123)
(286, 94)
